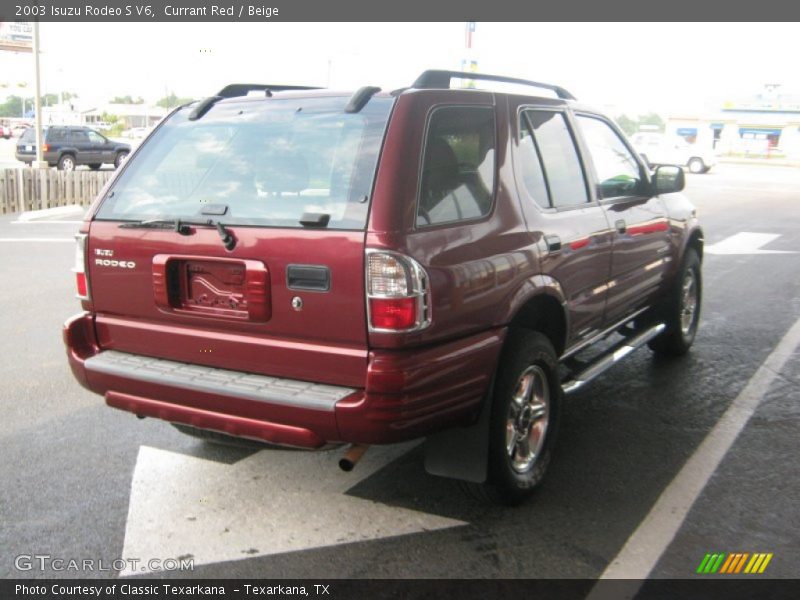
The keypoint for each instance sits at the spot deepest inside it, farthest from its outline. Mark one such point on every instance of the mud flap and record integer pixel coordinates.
(462, 452)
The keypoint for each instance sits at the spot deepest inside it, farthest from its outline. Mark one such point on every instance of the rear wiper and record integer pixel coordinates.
(174, 224)
(227, 239)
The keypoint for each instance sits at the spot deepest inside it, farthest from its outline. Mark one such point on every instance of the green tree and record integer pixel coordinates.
(172, 101)
(628, 125)
(652, 119)
(631, 126)
(12, 107)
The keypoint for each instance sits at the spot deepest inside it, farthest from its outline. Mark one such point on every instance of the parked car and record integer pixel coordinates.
(660, 149)
(66, 147)
(307, 269)
(5, 132)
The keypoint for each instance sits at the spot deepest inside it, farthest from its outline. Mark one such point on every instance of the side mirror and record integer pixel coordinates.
(668, 179)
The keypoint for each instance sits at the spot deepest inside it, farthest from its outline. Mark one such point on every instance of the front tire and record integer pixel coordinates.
(525, 414)
(681, 312)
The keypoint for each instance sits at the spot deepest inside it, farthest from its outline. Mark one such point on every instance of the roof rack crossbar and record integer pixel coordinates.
(235, 90)
(441, 79)
(360, 98)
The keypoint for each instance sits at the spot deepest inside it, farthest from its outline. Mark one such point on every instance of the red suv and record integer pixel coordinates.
(310, 268)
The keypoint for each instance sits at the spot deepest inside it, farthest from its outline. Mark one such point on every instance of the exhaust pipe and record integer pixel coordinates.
(352, 456)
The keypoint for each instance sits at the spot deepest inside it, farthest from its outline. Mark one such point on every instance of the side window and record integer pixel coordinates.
(559, 157)
(57, 134)
(457, 180)
(618, 173)
(95, 137)
(78, 136)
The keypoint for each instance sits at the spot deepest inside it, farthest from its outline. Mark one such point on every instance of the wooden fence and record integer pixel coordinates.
(32, 189)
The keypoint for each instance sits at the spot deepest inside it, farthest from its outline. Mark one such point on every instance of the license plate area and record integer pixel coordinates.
(219, 288)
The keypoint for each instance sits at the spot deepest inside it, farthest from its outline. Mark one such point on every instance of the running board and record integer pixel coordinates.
(610, 358)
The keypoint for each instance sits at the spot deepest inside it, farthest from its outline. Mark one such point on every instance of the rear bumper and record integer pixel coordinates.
(406, 394)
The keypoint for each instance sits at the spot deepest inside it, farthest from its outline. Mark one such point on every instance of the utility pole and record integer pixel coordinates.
(39, 162)
(37, 99)
(468, 63)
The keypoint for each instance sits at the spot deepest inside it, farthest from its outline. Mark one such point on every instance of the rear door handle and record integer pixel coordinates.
(621, 226)
(553, 243)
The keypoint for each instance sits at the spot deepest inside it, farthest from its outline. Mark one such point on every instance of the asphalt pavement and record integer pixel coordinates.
(83, 481)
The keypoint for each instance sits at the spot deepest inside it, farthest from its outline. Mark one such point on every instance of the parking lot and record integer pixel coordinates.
(84, 481)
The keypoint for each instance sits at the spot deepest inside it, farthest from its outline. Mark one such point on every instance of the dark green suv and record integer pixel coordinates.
(69, 146)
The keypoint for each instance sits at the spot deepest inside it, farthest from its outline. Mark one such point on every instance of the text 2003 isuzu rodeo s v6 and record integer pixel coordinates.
(310, 268)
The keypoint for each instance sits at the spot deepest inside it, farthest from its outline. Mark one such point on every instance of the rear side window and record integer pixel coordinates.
(559, 157)
(618, 173)
(57, 134)
(457, 181)
(265, 162)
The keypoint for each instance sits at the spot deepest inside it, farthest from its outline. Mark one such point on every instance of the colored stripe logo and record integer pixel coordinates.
(733, 563)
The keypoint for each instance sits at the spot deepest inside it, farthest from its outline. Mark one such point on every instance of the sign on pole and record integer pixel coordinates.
(16, 36)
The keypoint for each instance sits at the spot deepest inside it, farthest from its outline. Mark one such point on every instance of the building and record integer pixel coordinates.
(132, 115)
(767, 124)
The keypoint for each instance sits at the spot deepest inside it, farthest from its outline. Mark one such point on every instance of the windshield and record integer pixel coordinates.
(265, 162)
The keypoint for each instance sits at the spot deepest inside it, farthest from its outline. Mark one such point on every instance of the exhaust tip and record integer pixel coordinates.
(350, 459)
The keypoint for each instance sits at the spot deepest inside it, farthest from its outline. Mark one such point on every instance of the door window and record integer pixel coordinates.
(95, 137)
(78, 136)
(530, 168)
(618, 172)
(562, 168)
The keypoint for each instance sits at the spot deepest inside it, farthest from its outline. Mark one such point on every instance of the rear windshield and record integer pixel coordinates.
(265, 162)
(29, 135)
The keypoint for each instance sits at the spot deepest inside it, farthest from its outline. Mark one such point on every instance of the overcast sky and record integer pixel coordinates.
(632, 67)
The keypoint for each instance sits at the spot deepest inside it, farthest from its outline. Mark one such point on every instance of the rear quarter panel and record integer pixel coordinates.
(475, 267)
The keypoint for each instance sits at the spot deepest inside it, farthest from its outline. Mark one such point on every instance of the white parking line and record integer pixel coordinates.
(70, 240)
(272, 502)
(654, 534)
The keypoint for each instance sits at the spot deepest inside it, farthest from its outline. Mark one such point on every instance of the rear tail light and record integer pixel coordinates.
(45, 147)
(398, 296)
(81, 276)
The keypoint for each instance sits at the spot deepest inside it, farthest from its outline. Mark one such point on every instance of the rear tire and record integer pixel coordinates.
(66, 163)
(696, 165)
(524, 419)
(119, 159)
(681, 312)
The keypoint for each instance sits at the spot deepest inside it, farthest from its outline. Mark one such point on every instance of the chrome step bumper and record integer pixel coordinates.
(248, 386)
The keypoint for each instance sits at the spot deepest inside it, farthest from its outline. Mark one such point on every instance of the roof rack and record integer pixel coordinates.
(241, 89)
(441, 79)
(360, 98)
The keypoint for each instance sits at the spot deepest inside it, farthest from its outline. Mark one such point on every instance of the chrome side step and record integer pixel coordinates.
(610, 358)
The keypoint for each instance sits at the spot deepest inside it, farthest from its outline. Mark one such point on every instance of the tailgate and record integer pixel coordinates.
(288, 303)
